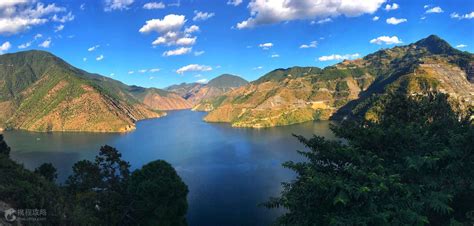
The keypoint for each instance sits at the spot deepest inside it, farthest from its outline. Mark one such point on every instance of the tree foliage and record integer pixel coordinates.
(48, 171)
(414, 166)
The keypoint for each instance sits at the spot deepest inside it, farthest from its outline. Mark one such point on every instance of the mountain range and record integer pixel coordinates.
(41, 92)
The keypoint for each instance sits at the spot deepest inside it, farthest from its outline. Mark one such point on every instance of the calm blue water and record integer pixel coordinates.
(229, 171)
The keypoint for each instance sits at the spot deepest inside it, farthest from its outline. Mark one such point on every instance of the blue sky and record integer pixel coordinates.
(244, 37)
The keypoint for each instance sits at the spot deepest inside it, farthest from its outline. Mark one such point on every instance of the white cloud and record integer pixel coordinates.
(386, 40)
(323, 21)
(201, 16)
(171, 22)
(37, 36)
(5, 46)
(389, 7)
(143, 71)
(193, 67)
(198, 53)
(59, 28)
(154, 70)
(46, 43)
(84, 59)
(258, 68)
(130, 72)
(234, 2)
(436, 9)
(66, 18)
(151, 77)
(275, 11)
(312, 44)
(338, 57)
(177, 52)
(25, 45)
(395, 21)
(266, 46)
(111, 5)
(191, 29)
(202, 81)
(154, 5)
(20, 15)
(460, 46)
(99, 58)
(82, 6)
(275, 56)
(375, 18)
(186, 41)
(93, 48)
(460, 17)
(112, 74)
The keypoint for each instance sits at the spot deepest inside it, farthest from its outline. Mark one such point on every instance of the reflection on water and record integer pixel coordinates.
(229, 171)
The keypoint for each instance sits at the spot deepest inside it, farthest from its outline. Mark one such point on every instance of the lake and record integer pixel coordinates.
(229, 171)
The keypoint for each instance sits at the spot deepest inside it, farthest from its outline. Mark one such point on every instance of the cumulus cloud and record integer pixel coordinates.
(258, 68)
(25, 45)
(389, 7)
(111, 5)
(386, 40)
(171, 22)
(143, 71)
(338, 57)
(177, 52)
(46, 43)
(20, 15)
(312, 44)
(154, 5)
(5, 47)
(461, 17)
(186, 41)
(201, 16)
(274, 11)
(100, 57)
(191, 29)
(154, 70)
(234, 2)
(130, 72)
(375, 18)
(202, 81)
(193, 67)
(266, 46)
(93, 48)
(395, 21)
(275, 56)
(460, 46)
(436, 9)
(59, 28)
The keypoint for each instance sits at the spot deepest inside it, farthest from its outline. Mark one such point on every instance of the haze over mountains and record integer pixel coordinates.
(41, 92)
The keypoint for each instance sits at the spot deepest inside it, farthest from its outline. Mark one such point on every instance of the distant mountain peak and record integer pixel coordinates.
(436, 45)
(227, 81)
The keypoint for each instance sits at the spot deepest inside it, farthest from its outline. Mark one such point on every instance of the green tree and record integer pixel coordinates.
(48, 171)
(4, 149)
(158, 195)
(414, 166)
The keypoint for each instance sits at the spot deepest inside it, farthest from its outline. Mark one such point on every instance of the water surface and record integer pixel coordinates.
(229, 171)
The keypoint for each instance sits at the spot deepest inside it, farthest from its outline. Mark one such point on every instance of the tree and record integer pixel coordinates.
(158, 195)
(413, 166)
(48, 171)
(4, 149)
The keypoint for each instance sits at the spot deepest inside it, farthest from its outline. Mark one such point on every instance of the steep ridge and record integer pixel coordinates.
(347, 89)
(41, 92)
(162, 100)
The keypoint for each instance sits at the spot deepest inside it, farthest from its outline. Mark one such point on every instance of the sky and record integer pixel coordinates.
(155, 43)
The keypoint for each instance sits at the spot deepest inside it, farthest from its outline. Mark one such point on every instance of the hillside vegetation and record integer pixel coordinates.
(41, 92)
(352, 88)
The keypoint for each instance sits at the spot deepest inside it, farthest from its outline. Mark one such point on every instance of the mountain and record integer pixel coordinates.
(162, 100)
(352, 88)
(41, 92)
(201, 95)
